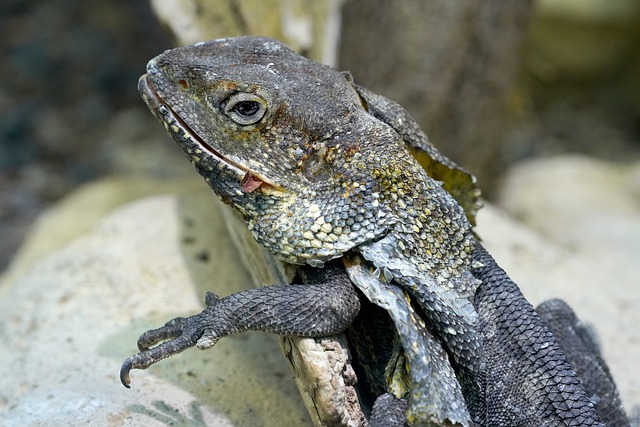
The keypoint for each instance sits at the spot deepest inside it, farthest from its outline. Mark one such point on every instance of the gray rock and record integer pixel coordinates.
(71, 319)
(70, 315)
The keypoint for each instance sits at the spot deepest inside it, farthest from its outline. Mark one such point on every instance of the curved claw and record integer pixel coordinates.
(174, 337)
(125, 379)
(146, 358)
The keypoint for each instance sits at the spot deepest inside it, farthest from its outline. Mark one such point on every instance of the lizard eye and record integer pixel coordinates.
(245, 108)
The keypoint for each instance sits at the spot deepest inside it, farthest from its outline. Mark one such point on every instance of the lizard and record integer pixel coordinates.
(322, 171)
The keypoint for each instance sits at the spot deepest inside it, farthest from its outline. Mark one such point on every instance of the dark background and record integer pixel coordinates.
(70, 111)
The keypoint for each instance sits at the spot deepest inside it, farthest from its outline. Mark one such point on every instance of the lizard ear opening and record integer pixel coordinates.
(349, 78)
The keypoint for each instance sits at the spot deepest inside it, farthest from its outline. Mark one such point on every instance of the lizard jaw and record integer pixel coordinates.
(181, 131)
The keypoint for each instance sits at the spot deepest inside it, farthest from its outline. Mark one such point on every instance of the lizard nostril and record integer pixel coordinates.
(183, 84)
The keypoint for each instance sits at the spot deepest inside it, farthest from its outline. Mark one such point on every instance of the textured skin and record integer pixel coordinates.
(528, 380)
(321, 169)
(388, 411)
(578, 344)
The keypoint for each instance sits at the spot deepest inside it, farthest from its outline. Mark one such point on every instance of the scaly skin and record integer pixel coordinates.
(320, 169)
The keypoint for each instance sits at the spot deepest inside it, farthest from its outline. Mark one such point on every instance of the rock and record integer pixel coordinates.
(71, 314)
(72, 317)
(79, 212)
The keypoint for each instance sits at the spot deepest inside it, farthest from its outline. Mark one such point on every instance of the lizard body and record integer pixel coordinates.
(322, 173)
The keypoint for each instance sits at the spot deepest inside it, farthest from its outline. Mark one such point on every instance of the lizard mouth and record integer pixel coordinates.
(180, 130)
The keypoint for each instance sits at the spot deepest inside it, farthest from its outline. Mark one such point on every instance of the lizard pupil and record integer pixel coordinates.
(247, 108)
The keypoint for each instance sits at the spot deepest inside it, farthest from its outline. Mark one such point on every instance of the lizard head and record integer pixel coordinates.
(284, 140)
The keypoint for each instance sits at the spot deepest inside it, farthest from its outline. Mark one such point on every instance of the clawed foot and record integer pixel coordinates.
(174, 337)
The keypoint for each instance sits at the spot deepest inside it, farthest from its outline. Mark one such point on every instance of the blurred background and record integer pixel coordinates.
(492, 83)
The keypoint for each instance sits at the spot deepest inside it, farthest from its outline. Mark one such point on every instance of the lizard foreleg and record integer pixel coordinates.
(324, 307)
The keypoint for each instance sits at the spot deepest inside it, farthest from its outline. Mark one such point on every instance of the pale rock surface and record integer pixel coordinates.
(72, 318)
(68, 318)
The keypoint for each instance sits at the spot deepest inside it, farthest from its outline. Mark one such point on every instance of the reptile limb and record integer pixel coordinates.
(579, 345)
(544, 390)
(325, 306)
